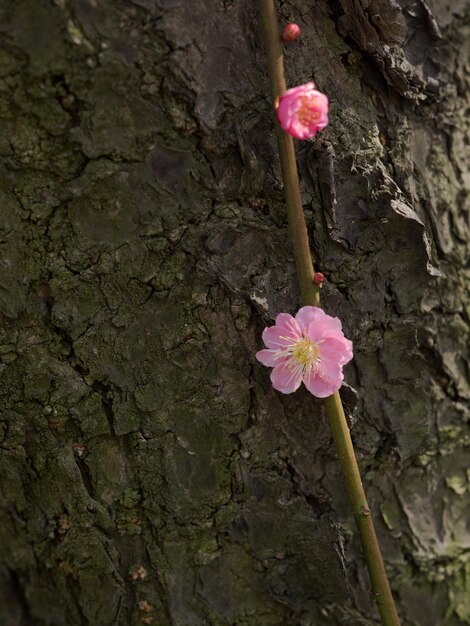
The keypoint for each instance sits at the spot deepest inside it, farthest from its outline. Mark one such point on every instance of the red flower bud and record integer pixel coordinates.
(291, 32)
(318, 278)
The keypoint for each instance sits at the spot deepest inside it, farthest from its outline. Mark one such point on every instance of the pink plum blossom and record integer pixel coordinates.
(303, 111)
(310, 348)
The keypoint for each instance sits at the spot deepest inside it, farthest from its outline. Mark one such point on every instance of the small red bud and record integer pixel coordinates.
(318, 278)
(290, 33)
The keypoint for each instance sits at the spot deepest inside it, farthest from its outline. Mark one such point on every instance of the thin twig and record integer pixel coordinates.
(311, 296)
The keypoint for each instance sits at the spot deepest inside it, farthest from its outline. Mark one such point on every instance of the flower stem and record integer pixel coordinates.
(310, 295)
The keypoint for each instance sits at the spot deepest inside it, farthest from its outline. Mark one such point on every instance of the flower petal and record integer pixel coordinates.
(336, 348)
(324, 327)
(300, 90)
(308, 314)
(295, 128)
(286, 112)
(287, 321)
(270, 358)
(280, 337)
(284, 115)
(322, 122)
(301, 131)
(320, 386)
(331, 370)
(283, 319)
(284, 379)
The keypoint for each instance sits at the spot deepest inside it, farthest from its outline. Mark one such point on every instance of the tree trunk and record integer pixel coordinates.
(150, 474)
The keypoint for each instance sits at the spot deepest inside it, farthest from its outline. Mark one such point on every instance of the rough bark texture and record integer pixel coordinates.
(149, 473)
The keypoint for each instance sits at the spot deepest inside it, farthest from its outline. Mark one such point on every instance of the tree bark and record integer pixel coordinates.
(150, 474)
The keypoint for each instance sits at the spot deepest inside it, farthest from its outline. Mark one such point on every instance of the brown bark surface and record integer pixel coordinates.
(149, 473)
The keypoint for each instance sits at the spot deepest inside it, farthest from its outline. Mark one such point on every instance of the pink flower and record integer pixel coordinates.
(303, 111)
(309, 348)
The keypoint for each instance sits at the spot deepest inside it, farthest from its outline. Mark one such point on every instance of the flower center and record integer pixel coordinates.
(305, 352)
(307, 113)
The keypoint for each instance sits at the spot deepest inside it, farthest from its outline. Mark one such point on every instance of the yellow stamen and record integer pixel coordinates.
(307, 113)
(305, 352)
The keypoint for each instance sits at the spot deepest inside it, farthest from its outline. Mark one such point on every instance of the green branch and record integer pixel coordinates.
(311, 296)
